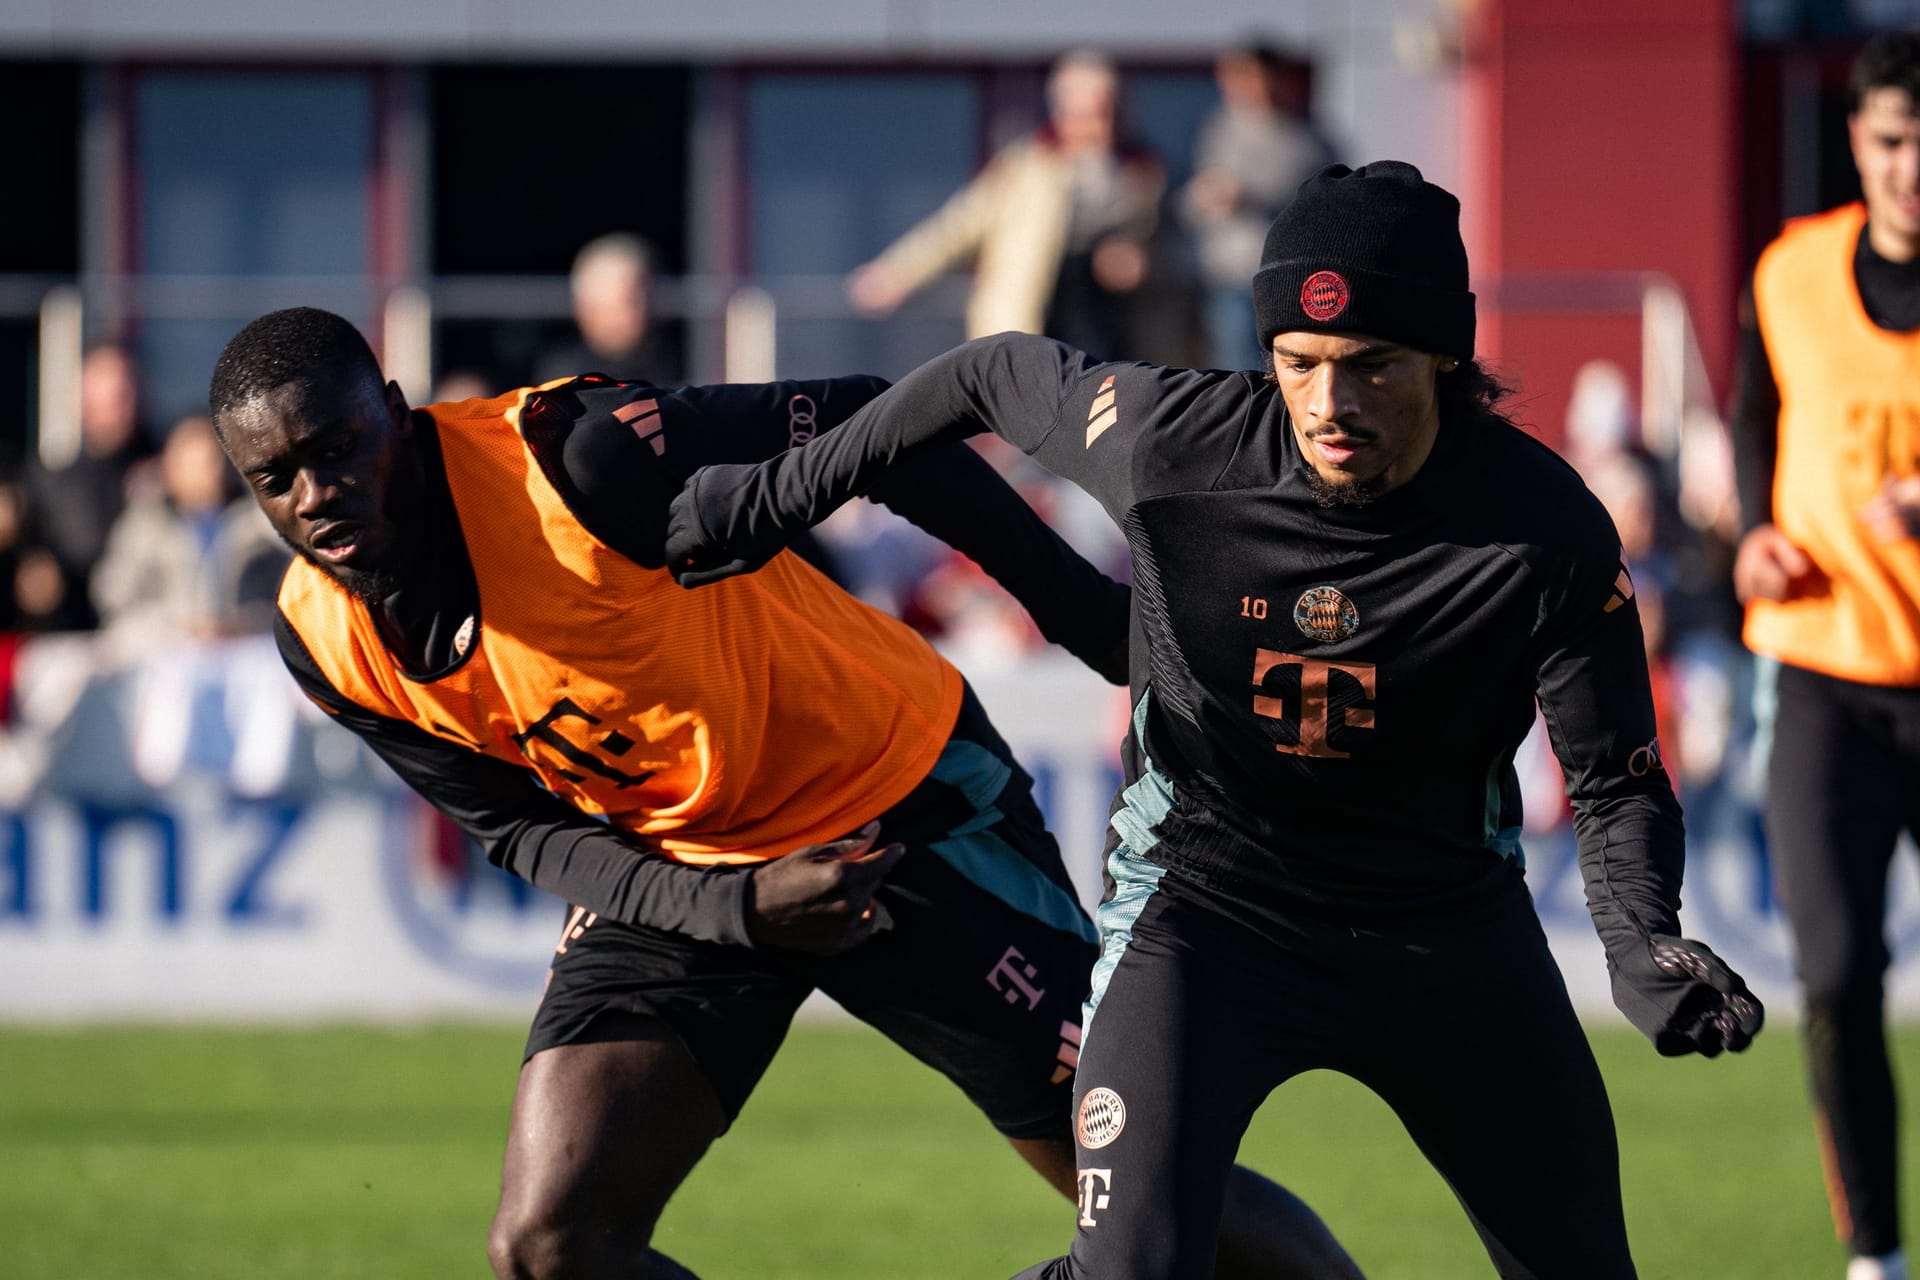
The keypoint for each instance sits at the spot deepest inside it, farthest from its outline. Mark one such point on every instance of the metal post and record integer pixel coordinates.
(61, 313)
(752, 324)
(406, 339)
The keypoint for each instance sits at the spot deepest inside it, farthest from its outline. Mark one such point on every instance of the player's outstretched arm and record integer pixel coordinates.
(1594, 693)
(733, 519)
(946, 489)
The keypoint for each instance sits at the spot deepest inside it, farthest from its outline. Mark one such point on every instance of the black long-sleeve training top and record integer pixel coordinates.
(1334, 695)
(617, 483)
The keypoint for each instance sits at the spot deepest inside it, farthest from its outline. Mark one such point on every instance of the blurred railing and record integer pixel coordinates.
(737, 323)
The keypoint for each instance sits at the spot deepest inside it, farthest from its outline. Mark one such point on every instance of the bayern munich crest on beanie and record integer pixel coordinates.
(1324, 295)
(1373, 251)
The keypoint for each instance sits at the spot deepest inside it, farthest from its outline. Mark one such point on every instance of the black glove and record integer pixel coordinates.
(697, 555)
(1683, 997)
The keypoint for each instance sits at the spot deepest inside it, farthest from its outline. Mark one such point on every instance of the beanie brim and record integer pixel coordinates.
(1393, 308)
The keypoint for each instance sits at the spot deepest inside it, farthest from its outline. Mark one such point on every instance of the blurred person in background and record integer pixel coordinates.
(13, 520)
(463, 384)
(1624, 484)
(1251, 154)
(1355, 578)
(189, 557)
(1827, 451)
(71, 508)
(13, 528)
(189, 566)
(1057, 226)
(480, 593)
(616, 333)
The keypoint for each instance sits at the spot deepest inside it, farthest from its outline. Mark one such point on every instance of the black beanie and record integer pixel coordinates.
(1374, 251)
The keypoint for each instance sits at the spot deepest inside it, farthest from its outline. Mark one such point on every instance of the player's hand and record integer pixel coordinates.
(1893, 514)
(1119, 264)
(1767, 565)
(697, 555)
(876, 290)
(1683, 997)
(820, 898)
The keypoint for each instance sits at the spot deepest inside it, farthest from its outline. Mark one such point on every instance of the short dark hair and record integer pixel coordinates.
(299, 344)
(1889, 61)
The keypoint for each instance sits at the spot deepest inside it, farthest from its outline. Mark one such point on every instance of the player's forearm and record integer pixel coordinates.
(752, 511)
(528, 831)
(1632, 854)
(954, 494)
(595, 867)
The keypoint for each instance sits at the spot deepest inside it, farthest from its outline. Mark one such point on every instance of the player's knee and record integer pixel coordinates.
(1267, 1231)
(541, 1246)
(1845, 985)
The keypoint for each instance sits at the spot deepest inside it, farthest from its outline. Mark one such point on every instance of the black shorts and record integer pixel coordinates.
(980, 971)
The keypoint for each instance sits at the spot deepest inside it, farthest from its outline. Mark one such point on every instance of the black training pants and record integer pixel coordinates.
(1841, 784)
(1462, 1024)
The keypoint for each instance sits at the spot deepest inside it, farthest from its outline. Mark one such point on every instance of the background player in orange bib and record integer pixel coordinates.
(1827, 446)
(480, 594)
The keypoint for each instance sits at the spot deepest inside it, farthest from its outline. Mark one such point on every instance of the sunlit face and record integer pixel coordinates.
(1885, 133)
(1084, 101)
(320, 460)
(610, 305)
(1364, 411)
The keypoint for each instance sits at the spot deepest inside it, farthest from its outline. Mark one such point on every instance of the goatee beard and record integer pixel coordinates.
(369, 586)
(1360, 493)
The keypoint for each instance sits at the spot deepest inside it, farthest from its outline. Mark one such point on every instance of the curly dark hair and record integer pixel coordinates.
(1888, 61)
(1473, 392)
(299, 344)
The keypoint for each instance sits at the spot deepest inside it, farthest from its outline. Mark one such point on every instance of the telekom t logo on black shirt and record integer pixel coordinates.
(1329, 697)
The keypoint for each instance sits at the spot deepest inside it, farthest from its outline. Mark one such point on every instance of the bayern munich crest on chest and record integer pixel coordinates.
(1323, 613)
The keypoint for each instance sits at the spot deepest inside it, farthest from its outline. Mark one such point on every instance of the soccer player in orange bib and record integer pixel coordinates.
(1827, 448)
(747, 794)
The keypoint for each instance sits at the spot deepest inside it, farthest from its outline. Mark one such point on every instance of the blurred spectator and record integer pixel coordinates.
(70, 509)
(1057, 225)
(616, 335)
(466, 384)
(187, 558)
(13, 528)
(1251, 155)
(1624, 483)
(1601, 418)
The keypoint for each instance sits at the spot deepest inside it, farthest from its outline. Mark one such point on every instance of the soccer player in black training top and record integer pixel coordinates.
(481, 596)
(1352, 582)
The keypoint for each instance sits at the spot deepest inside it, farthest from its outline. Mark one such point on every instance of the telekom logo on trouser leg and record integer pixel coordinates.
(1094, 1185)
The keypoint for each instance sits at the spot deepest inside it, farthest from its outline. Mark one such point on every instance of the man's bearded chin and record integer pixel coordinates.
(369, 586)
(1359, 493)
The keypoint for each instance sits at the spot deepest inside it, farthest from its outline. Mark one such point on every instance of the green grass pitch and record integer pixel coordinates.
(343, 1152)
